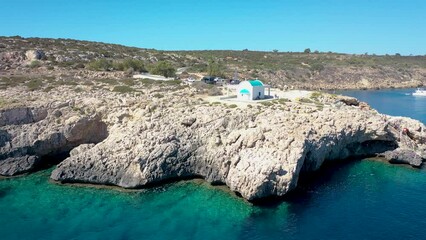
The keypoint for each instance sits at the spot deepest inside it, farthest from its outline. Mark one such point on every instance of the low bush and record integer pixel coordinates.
(123, 89)
(163, 68)
(267, 104)
(34, 84)
(35, 64)
(108, 81)
(48, 89)
(126, 64)
(158, 95)
(283, 100)
(317, 67)
(129, 81)
(305, 100)
(100, 65)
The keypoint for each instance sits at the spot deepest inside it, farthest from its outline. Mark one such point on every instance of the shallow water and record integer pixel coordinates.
(360, 200)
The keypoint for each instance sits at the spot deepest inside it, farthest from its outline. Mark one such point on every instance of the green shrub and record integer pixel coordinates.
(3, 103)
(128, 81)
(35, 64)
(172, 82)
(320, 106)
(158, 95)
(215, 69)
(123, 89)
(78, 89)
(267, 104)
(233, 106)
(78, 66)
(305, 100)
(137, 65)
(283, 100)
(126, 64)
(34, 84)
(100, 65)
(108, 81)
(316, 95)
(147, 81)
(48, 89)
(163, 68)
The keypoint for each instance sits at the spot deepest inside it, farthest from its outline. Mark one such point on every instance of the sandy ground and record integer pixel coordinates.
(152, 77)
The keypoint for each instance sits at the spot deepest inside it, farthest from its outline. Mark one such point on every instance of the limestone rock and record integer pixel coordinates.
(404, 156)
(188, 121)
(35, 55)
(350, 101)
(29, 134)
(21, 115)
(136, 141)
(255, 160)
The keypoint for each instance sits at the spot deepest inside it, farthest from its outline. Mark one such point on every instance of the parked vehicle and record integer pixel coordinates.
(190, 80)
(220, 81)
(235, 82)
(208, 80)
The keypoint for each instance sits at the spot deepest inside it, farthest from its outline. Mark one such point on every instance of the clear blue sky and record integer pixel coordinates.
(351, 26)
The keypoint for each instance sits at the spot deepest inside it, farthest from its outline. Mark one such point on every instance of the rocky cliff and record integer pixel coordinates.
(257, 151)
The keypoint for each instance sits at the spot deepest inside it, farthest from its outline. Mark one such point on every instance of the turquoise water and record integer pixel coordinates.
(360, 200)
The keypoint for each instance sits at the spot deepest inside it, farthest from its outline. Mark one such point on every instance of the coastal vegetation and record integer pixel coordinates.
(308, 69)
(163, 68)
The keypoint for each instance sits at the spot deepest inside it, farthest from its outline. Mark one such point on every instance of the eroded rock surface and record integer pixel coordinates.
(256, 151)
(29, 134)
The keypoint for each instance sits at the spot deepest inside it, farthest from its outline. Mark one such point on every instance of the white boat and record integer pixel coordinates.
(420, 92)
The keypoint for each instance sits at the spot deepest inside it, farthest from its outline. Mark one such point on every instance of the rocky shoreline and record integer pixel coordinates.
(137, 140)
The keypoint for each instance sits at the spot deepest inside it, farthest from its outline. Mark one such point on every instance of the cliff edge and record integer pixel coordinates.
(257, 151)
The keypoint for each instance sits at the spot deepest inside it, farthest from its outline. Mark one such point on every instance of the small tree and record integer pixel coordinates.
(100, 65)
(136, 65)
(308, 50)
(214, 69)
(275, 50)
(163, 68)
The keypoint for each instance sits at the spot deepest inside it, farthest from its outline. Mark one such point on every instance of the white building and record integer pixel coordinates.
(252, 90)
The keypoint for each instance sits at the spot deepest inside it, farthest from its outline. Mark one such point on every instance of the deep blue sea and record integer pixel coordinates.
(365, 199)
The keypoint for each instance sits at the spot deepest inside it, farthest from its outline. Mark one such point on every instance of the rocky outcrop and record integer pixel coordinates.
(404, 156)
(412, 142)
(257, 154)
(35, 55)
(256, 151)
(11, 60)
(21, 115)
(28, 135)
